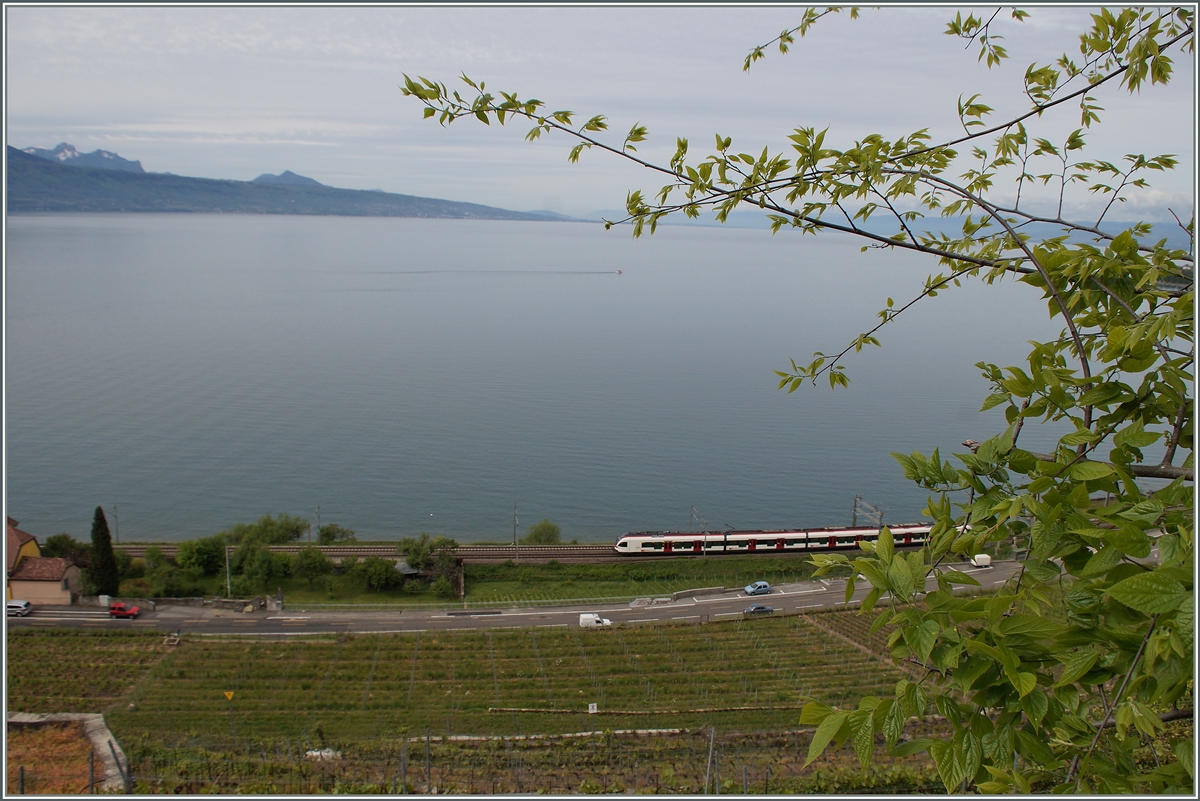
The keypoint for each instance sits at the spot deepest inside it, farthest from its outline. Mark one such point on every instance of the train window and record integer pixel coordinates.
(622, 544)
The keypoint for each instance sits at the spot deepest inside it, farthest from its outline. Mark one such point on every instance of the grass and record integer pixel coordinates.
(513, 583)
(510, 583)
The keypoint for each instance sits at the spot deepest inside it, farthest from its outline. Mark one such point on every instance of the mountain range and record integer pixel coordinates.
(63, 179)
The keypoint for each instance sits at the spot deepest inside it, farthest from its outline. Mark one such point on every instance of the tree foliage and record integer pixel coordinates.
(311, 564)
(425, 552)
(381, 574)
(331, 533)
(1055, 682)
(543, 532)
(102, 568)
(205, 555)
(66, 547)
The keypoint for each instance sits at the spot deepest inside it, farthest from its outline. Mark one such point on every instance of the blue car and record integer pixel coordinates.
(758, 588)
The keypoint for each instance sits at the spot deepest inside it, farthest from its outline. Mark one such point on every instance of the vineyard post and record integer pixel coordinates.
(404, 766)
(428, 769)
(92, 772)
(712, 738)
(21, 780)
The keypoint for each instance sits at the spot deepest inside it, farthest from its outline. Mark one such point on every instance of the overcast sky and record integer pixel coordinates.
(228, 92)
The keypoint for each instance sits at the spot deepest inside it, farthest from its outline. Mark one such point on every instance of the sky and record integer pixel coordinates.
(233, 92)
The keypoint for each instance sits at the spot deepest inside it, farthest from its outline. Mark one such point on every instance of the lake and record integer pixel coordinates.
(408, 375)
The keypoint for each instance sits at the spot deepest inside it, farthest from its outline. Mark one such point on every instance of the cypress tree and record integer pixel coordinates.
(103, 566)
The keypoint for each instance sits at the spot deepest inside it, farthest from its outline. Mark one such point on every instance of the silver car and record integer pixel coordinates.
(19, 608)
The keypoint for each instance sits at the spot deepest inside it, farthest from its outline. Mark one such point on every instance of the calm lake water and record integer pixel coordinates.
(411, 375)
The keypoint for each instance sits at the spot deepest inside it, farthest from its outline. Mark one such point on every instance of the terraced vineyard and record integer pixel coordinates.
(67, 671)
(749, 676)
(475, 697)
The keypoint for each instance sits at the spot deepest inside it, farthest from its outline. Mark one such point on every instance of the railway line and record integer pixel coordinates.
(468, 554)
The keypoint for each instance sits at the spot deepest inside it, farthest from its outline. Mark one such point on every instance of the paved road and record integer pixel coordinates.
(786, 599)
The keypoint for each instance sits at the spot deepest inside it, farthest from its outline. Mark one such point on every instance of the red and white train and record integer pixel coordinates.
(683, 543)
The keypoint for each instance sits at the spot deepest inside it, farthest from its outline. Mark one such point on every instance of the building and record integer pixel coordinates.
(36, 578)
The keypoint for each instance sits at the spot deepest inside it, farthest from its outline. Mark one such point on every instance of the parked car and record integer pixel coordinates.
(122, 609)
(590, 621)
(758, 588)
(19, 608)
(759, 609)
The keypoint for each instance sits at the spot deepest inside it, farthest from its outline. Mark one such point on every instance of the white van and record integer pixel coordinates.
(590, 621)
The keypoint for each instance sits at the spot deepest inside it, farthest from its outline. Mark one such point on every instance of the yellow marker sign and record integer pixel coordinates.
(229, 694)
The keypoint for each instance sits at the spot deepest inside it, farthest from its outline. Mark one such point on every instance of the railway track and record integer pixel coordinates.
(468, 554)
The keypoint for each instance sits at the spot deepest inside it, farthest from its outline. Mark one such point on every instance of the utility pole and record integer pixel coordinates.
(228, 583)
(516, 548)
(117, 523)
(318, 523)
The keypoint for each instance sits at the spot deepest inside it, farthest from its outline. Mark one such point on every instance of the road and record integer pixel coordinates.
(785, 599)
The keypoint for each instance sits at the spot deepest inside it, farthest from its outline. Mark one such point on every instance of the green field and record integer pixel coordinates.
(364, 696)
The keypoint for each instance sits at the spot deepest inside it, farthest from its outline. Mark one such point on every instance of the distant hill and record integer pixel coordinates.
(38, 185)
(288, 177)
(100, 159)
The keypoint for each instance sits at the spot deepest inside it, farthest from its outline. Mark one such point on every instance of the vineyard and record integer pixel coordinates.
(373, 704)
(70, 671)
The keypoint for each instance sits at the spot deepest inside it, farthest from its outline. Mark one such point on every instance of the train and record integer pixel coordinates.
(682, 543)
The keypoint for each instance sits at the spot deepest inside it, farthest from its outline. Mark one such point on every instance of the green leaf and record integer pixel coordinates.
(1031, 626)
(957, 577)
(830, 728)
(1186, 756)
(923, 638)
(1152, 593)
(885, 546)
(1088, 470)
(862, 729)
(1032, 748)
(1075, 665)
(1035, 704)
(916, 746)
(900, 578)
(813, 713)
(1024, 682)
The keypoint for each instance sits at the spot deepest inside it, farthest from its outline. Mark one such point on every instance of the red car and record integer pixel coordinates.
(120, 609)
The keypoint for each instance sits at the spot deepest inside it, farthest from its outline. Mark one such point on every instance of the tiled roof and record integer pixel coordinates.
(16, 538)
(42, 568)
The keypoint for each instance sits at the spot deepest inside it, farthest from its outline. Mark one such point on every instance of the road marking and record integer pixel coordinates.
(551, 625)
(287, 617)
(810, 606)
(729, 614)
(686, 617)
(195, 620)
(644, 620)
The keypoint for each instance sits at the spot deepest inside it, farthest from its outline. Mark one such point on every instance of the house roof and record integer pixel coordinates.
(42, 568)
(16, 538)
